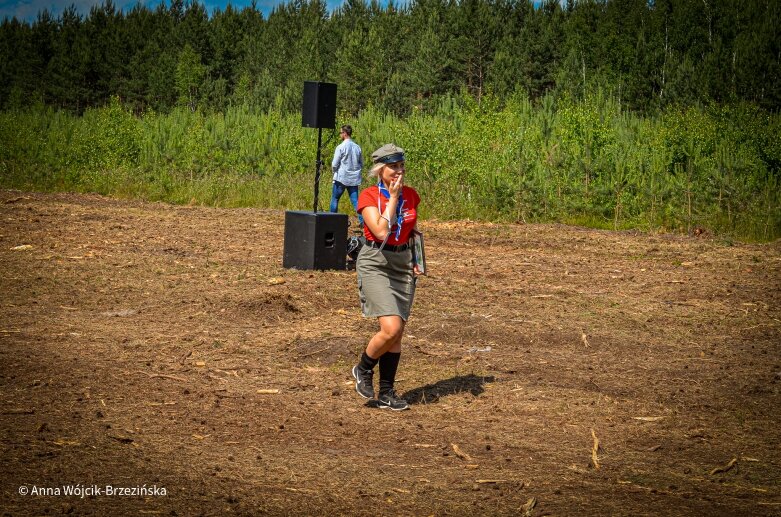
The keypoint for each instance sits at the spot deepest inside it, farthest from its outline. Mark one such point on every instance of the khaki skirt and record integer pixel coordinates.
(386, 283)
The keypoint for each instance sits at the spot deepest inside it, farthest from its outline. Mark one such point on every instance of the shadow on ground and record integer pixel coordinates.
(429, 393)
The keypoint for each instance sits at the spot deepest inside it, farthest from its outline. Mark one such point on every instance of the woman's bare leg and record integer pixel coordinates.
(388, 338)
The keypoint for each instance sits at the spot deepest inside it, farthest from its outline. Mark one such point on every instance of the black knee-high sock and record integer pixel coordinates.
(389, 362)
(367, 363)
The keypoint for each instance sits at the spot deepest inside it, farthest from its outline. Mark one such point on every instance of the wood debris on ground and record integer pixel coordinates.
(594, 450)
(461, 454)
(528, 508)
(725, 468)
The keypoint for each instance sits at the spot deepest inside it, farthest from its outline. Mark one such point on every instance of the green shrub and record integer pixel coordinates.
(584, 162)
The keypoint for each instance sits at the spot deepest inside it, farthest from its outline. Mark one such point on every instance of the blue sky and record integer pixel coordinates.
(28, 9)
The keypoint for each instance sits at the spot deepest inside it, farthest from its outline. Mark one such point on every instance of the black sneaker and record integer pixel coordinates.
(390, 400)
(363, 382)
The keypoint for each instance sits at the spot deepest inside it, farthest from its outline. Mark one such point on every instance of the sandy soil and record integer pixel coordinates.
(552, 370)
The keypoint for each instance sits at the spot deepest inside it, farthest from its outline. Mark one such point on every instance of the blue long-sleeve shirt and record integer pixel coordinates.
(347, 163)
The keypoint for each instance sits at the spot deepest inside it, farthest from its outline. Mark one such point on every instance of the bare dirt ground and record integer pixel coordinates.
(154, 345)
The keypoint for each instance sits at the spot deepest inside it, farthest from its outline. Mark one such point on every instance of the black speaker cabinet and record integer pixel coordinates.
(319, 108)
(315, 240)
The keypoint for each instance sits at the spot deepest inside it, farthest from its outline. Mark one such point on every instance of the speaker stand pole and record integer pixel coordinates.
(319, 166)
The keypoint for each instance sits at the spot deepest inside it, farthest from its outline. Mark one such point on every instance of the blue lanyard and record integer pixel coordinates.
(399, 219)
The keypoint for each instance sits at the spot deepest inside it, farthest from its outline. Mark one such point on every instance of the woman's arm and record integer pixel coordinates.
(380, 224)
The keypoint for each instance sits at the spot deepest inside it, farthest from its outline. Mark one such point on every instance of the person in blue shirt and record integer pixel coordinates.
(347, 166)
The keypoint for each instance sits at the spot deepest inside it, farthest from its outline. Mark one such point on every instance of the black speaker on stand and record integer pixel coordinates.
(319, 109)
(316, 240)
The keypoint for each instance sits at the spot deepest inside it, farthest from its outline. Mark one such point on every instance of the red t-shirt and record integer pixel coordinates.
(409, 212)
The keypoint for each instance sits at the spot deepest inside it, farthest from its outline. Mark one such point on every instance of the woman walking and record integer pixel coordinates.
(386, 273)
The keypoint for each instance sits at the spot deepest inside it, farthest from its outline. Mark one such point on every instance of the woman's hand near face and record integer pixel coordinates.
(396, 185)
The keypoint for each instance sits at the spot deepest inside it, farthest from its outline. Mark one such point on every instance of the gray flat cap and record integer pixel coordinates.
(388, 153)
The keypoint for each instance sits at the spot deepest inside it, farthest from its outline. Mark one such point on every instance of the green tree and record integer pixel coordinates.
(190, 73)
(509, 71)
(226, 33)
(476, 26)
(67, 71)
(106, 66)
(16, 73)
(350, 25)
